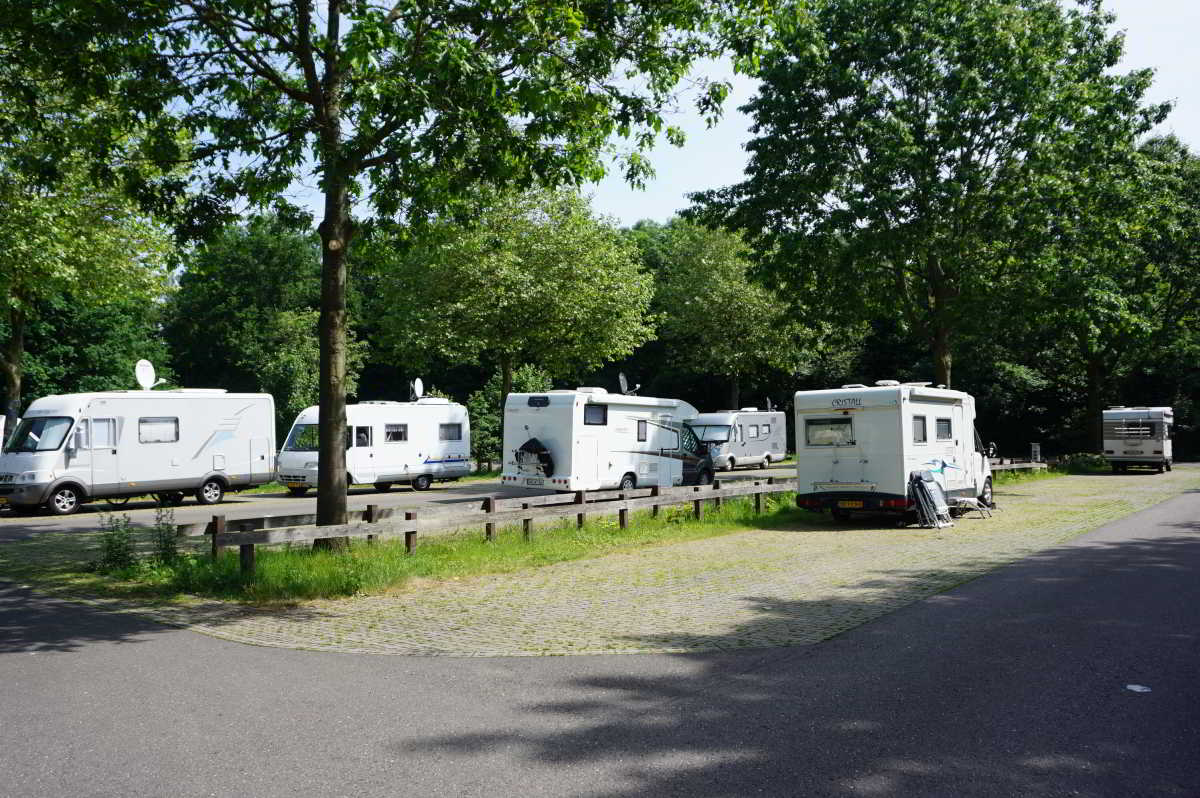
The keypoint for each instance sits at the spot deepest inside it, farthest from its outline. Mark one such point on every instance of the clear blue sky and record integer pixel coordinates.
(1160, 34)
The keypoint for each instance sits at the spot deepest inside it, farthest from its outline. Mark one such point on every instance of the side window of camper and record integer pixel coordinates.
(158, 430)
(79, 440)
(945, 431)
(362, 436)
(919, 433)
(595, 415)
(450, 432)
(766, 430)
(753, 432)
(643, 429)
(104, 433)
(395, 433)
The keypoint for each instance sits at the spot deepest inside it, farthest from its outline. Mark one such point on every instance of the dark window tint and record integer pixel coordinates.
(945, 431)
(643, 429)
(450, 432)
(395, 433)
(539, 401)
(919, 433)
(595, 415)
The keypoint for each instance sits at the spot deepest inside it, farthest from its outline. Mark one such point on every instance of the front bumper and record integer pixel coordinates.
(25, 494)
(298, 477)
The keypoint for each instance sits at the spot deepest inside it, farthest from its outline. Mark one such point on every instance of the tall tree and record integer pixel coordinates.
(537, 279)
(912, 156)
(417, 98)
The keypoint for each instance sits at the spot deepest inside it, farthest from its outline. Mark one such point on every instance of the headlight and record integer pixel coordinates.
(311, 464)
(32, 476)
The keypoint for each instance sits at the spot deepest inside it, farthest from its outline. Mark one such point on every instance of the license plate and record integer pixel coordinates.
(3, 500)
(534, 481)
(850, 505)
(295, 484)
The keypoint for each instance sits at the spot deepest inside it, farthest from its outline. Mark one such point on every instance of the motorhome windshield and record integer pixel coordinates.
(711, 433)
(44, 434)
(303, 438)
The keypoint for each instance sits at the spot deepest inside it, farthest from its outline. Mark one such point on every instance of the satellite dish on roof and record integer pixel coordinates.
(144, 372)
(624, 385)
(418, 388)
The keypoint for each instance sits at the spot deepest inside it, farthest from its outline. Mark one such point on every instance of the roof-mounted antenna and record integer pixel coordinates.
(624, 384)
(416, 389)
(144, 373)
(770, 405)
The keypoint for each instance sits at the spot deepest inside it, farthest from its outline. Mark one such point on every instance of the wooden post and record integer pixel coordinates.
(410, 535)
(623, 514)
(371, 515)
(717, 500)
(654, 509)
(216, 527)
(246, 557)
(489, 530)
(526, 523)
(579, 518)
(698, 507)
(757, 499)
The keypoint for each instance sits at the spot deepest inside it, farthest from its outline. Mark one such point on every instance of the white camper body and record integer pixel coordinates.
(856, 447)
(746, 437)
(75, 448)
(1138, 436)
(418, 443)
(589, 439)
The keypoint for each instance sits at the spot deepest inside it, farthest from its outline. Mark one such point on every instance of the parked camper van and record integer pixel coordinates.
(76, 448)
(590, 439)
(1138, 436)
(746, 437)
(418, 443)
(856, 446)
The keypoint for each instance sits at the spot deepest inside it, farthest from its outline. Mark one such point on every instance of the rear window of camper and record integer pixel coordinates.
(829, 431)
(539, 401)
(945, 432)
(450, 432)
(158, 430)
(919, 433)
(595, 415)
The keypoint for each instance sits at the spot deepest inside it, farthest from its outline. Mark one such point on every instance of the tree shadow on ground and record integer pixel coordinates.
(32, 623)
(971, 692)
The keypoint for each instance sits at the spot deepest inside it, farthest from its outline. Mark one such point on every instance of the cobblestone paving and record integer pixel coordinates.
(758, 588)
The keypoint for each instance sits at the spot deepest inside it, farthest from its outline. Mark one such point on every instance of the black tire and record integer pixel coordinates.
(422, 482)
(1116, 467)
(349, 483)
(1167, 465)
(297, 491)
(117, 501)
(628, 482)
(731, 464)
(986, 496)
(767, 459)
(211, 492)
(840, 515)
(64, 500)
(170, 498)
(705, 477)
(383, 487)
(1160, 468)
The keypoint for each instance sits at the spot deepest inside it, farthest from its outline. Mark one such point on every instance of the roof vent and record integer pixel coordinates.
(887, 383)
(749, 409)
(919, 384)
(433, 400)
(854, 385)
(591, 390)
(1116, 407)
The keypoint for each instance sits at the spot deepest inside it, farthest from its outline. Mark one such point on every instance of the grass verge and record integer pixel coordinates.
(299, 573)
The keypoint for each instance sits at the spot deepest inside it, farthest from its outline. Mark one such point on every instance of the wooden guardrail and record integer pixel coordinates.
(375, 522)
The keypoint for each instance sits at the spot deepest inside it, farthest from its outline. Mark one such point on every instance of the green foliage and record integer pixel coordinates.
(117, 549)
(915, 157)
(536, 279)
(486, 409)
(1083, 463)
(164, 541)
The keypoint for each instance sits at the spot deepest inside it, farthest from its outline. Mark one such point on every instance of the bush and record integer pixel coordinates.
(116, 543)
(162, 535)
(1082, 463)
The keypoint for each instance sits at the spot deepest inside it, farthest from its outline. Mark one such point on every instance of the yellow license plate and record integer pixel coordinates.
(3, 500)
(295, 485)
(850, 505)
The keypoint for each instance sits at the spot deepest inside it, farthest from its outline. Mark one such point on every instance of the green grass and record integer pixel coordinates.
(299, 573)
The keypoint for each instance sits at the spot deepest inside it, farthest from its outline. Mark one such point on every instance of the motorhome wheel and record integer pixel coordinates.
(211, 492)
(383, 487)
(117, 501)
(767, 459)
(628, 482)
(1167, 465)
(65, 500)
(731, 464)
(297, 491)
(422, 482)
(705, 478)
(986, 495)
(172, 498)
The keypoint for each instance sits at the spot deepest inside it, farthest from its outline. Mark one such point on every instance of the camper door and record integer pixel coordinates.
(360, 454)
(104, 454)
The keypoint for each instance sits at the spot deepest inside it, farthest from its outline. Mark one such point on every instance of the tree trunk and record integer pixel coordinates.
(735, 392)
(11, 358)
(942, 355)
(506, 378)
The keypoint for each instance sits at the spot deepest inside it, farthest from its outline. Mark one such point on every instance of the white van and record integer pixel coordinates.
(386, 442)
(1138, 436)
(746, 437)
(76, 448)
(856, 447)
(590, 439)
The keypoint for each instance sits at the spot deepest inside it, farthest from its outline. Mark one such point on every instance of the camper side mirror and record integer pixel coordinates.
(991, 450)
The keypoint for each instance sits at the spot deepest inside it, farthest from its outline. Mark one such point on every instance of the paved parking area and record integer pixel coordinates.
(751, 589)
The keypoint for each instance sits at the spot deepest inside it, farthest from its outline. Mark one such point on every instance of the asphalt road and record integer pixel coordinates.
(248, 505)
(1015, 684)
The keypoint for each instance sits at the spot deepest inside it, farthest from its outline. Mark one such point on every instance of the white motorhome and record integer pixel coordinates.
(76, 448)
(857, 446)
(746, 437)
(418, 443)
(1138, 436)
(590, 439)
